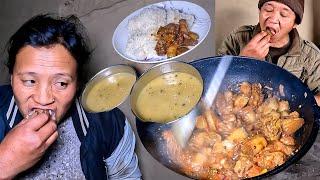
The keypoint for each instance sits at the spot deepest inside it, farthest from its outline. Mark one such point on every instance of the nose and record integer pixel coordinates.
(44, 95)
(274, 17)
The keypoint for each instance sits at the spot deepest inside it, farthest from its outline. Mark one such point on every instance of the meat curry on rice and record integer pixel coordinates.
(174, 39)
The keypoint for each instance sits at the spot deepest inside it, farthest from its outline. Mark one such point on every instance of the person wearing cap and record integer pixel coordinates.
(275, 39)
(44, 131)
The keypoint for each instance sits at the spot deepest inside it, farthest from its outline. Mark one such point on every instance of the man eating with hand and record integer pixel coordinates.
(275, 39)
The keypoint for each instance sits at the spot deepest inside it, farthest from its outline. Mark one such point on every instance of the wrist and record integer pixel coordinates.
(4, 166)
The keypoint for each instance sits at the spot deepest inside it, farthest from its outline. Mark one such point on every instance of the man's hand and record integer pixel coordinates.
(258, 47)
(25, 144)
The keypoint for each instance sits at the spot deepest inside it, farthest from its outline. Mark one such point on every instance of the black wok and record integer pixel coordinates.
(242, 69)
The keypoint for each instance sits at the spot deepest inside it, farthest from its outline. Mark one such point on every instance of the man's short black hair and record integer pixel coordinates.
(45, 30)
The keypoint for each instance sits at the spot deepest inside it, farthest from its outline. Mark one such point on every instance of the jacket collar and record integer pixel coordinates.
(295, 47)
(80, 120)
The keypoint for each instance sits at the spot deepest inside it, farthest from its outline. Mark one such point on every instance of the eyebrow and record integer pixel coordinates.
(55, 75)
(64, 75)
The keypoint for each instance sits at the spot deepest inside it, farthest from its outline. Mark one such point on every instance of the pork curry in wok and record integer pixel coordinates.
(245, 134)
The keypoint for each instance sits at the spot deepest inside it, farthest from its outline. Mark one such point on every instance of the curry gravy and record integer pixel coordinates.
(109, 92)
(168, 97)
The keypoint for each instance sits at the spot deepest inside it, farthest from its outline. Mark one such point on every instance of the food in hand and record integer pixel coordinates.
(270, 31)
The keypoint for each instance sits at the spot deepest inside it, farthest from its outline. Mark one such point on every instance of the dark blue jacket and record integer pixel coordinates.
(99, 133)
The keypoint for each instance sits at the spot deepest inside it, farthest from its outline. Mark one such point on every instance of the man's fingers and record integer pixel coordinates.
(265, 39)
(259, 36)
(266, 46)
(38, 121)
(47, 130)
(265, 52)
(51, 139)
(24, 121)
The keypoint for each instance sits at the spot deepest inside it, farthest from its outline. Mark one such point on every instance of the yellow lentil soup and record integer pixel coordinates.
(168, 97)
(109, 92)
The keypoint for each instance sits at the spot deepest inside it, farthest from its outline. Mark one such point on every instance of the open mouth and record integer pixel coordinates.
(35, 111)
(270, 31)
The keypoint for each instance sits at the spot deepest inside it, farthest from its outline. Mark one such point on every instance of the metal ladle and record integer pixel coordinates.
(182, 129)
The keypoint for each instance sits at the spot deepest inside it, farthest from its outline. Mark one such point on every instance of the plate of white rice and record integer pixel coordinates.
(134, 38)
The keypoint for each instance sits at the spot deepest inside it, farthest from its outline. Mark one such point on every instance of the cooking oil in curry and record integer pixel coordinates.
(168, 97)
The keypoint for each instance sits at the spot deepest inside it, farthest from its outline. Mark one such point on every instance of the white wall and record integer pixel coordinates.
(316, 29)
(13, 13)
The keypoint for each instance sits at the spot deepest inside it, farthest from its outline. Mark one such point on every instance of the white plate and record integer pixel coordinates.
(201, 26)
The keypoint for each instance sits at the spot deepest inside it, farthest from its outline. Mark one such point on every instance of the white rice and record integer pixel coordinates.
(148, 20)
(174, 15)
(141, 46)
(141, 42)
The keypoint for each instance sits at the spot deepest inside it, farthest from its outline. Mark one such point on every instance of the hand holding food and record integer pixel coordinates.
(258, 47)
(25, 144)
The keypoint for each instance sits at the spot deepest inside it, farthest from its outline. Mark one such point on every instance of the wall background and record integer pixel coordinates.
(316, 21)
(228, 15)
(13, 13)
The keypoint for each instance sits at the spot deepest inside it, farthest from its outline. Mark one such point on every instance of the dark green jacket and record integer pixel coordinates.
(302, 59)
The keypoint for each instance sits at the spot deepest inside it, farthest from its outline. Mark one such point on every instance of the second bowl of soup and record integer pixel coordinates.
(166, 92)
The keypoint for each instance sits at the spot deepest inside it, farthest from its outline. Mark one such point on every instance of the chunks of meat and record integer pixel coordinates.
(203, 139)
(256, 97)
(181, 50)
(161, 47)
(201, 123)
(283, 106)
(271, 127)
(248, 115)
(245, 88)
(194, 36)
(172, 50)
(255, 171)
(228, 124)
(238, 135)
(269, 105)
(188, 41)
(269, 160)
(224, 103)
(254, 145)
(207, 121)
(242, 166)
(279, 146)
(291, 125)
(183, 26)
(241, 136)
(198, 161)
(240, 101)
(287, 140)
(175, 151)
(174, 39)
(212, 120)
